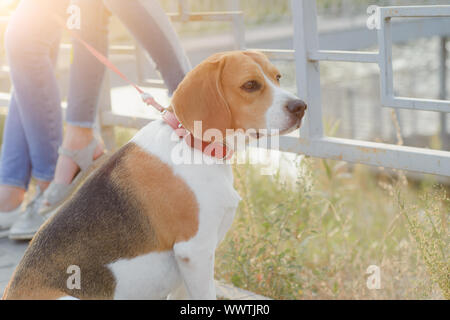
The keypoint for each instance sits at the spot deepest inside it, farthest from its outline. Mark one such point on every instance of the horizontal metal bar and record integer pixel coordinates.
(346, 56)
(403, 30)
(109, 118)
(416, 104)
(356, 151)
(154, 83)
(277, 54)
(4, 71)
(204, 16)
(114, 49)
(414, 11)
(190, 16)
(371, 153)
(124, 49)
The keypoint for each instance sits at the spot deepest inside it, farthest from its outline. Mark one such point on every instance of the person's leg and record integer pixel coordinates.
(86, 76)
(30, 42)
(151, 27)
(26, 43)
(15, 163)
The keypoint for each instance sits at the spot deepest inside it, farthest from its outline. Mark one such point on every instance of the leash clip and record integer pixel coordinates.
(145, 96)
(150, 101)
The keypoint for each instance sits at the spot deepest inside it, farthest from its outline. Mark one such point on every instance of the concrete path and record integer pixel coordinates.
(10, 254)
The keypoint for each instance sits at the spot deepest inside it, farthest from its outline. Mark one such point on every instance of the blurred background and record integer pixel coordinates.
(350, 91)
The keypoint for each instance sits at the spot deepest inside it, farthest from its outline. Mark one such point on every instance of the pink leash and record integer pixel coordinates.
(213, 149)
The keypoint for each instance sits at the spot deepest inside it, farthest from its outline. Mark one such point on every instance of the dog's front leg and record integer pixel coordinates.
(196, 264)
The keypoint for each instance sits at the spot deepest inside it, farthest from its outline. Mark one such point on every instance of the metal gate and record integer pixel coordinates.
(307, 55)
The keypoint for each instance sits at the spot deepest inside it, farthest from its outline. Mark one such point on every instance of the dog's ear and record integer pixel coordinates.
(200, 97)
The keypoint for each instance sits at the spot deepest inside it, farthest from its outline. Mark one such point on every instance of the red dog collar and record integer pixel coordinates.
(213, 149)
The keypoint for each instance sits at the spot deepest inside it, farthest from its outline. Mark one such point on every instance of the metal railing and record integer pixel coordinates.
(384, 57)
(307, 57)
(313, 142)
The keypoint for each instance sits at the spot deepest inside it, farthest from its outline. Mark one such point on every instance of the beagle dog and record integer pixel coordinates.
(143, 226)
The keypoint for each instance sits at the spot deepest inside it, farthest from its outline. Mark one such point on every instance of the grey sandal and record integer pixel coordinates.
(56, 193)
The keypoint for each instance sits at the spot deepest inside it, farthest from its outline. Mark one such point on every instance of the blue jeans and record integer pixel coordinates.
(33, 128)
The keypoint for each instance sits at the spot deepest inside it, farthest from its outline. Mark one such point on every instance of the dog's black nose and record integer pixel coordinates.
(296, 106)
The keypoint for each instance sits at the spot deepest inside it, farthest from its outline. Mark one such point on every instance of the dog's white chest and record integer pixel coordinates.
(151, 276)
(155, 275)
(211, 183)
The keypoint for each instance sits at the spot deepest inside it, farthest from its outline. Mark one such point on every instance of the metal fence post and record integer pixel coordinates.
(445, 137)
(386, 72)
(350, 112)
(140, 62)
(307, 72)
(238, 25)
(183, 8)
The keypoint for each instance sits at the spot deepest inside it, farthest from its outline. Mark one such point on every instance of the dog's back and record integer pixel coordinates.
(105, 221)
(99, 225)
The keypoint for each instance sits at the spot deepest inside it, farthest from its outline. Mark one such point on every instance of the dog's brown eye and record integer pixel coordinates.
(251, 86)
(278, 77)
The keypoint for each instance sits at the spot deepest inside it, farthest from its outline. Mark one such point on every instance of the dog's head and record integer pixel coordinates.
(237, 90)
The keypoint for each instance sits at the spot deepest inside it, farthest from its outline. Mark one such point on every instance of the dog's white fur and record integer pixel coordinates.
(155, 275)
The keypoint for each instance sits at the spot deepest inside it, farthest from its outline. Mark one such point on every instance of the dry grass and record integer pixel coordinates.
(315, 240)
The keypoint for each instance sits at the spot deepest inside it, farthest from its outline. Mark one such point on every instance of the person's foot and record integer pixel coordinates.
(75, 138)
(78, 156)
(11, 218)
(10, 198)
(30, 221)
(7, 220)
